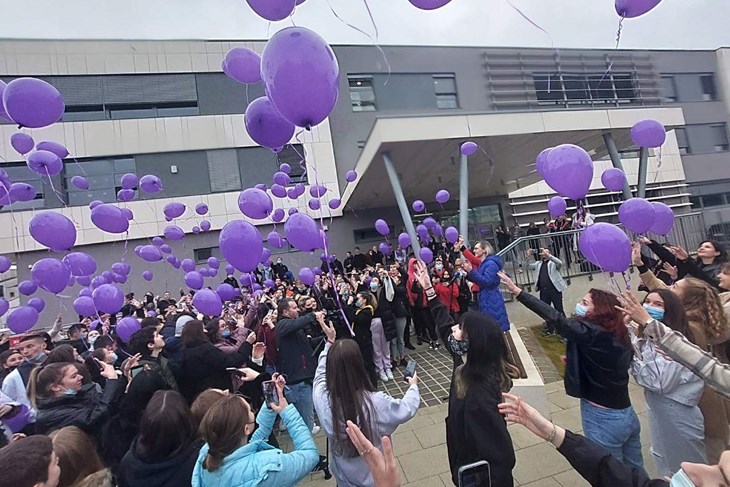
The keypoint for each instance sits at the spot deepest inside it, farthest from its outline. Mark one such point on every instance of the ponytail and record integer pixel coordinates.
(222, 428)
(42, 378)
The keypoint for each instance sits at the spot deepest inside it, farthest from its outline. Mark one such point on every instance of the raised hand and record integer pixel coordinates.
(631, 306)
(259, 349)
(679, 252)
(671, 270)
(509, 283)
(636, 253)
(382, 465)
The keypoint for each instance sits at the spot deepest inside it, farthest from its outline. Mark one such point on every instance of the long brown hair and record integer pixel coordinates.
(166, 428)
(703, 305)
(222, 429)
(76, 454)
(43, 377)
(193, 332)
(674, 314)
(204, 402)
(607, 316)
(349, 388)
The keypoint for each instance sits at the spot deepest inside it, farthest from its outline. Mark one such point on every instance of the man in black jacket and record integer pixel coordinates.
(349, 263)
(296, 359)
(359, 262)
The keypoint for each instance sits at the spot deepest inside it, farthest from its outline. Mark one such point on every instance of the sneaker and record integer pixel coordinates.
(383, 377)
(431, 346)
(436, 345)
(403, 362)
(394, 364)
(410, 347)
(419, 341)
(389, 374)
(315, 430)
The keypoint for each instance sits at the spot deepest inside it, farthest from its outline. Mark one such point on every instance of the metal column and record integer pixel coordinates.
(464, 198)
(401, 200)
(616, 161)
(643, 163)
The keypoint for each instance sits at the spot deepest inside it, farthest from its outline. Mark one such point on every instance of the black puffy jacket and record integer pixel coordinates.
(384, 311)
(173, 472)
(204, 367)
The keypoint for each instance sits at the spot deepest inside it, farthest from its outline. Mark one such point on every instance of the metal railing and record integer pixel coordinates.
(688, 232)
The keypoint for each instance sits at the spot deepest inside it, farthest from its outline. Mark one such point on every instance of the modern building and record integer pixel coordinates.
(166, 108)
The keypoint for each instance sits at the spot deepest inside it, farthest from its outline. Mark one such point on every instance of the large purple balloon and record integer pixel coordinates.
(266, 126)
(302, 232)
(636, 214)
(541, 159)
(606, 246)
(173, 232)
(226, 292)
(426, 255)
(613, 179)
(663, 218)
(109, 218)
(51, 274)
(241, 245)
(37, 303)
(635, 8)
(22, 192)
(174, 209)
(275, 240)
(33, 103)
(404, 240)
(648, 133)
(194, 280)
(208, 302)
(418, 206)
(429, 4)
(452, 235)
(22, 319)
(5, 263)
(45, 163)
(272, 10)
(22, 142)
(129, 181)
(568, 169)
(108, 298)
(301, 75)
(27, 288)
(80, 264)
(243, 65)
(201, 209)
(442, 196)
(150, 253)
(468, 148)
(255, 204)
(53, 230)
(150, 184)
(84, 306)
(54, 147)
(127, 327)
(80, 182)
(188, 265)
(557, 206)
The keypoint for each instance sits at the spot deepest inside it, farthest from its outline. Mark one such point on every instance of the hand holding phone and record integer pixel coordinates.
(410, 373)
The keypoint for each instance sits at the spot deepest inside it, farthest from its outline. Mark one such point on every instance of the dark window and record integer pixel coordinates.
(223, 170)
(576, 88)
(719, 137)
(153, 111)
(549, 88)
(20, 173)
(362, 94)
(84, 112)
(202, 255)
(669, 89)
(708, 87)
(625, 87)
(444, 86)
(696, 202)
(365, 235)
(104, 176)
(713, 200)
(293, 155)
(585, 89)
(682, 141)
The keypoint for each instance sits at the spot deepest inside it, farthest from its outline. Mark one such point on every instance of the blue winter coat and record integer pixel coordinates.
(490, 297)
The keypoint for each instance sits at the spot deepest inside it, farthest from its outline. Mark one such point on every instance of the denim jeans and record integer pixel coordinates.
(397, 345)
(616, 430)
(300, 395)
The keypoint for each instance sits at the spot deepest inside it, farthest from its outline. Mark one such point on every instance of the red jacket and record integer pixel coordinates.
(449, 295)
(475, 263)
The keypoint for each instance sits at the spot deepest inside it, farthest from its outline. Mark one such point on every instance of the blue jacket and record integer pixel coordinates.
(259, 464)
(490, 297)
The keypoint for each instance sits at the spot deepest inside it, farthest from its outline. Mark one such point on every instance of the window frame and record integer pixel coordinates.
(360, 105)
(446, 99)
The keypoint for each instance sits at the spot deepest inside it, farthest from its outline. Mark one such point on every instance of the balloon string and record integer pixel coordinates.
(537, 26)
(658, 164)
(377, 44)
(491, 166)
(12, 215)
(618, 41)
(58, 194)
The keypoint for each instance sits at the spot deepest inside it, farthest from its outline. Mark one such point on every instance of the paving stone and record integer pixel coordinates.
(425, 463)
(432, 435)
(562, 400)
(538, 462)
(571, 478)
(547, 482)
(429, 482)
(522, 437)
(637, 400)
(568, 419)
(417, 422)
(405, 442)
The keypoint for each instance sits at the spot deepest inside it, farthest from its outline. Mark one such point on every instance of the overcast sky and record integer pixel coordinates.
(688, 24)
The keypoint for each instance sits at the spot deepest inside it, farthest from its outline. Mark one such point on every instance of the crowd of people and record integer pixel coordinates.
(202, 400)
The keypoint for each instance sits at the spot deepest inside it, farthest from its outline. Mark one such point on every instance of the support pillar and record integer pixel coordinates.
(402, 204)
(616, 161)
(464, 198)
(643, 163)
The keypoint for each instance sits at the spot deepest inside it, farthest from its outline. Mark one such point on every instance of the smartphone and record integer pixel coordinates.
(233, 370)
(271, 395)
(475, 474)
(410, 370)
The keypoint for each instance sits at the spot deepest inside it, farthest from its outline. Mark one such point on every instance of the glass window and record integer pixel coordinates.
(104, 176)
(585, 89)
(549, 88)
(223, 170)
(696, 202)
(625, 87)
(84, 112)
(669, 89)
(708, 87)
(601, 88)
(362, 94)
(444, 86)
(719, 137)
(117, 113)
(682, 141)
(713, 200)
(576, 87)
(447, 101)
(23, 174)
(293, 155)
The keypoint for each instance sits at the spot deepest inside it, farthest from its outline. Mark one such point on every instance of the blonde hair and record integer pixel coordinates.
(702, 304)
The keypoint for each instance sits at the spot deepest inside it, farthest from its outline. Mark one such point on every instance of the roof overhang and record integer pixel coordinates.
(425, 149)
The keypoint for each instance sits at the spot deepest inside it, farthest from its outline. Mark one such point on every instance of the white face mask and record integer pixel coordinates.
(680, 479)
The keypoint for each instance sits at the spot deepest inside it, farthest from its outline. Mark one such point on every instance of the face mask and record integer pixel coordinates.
(373, 286)
(656, 313)
(84, 335)
(114, 357)
(358, 303)
(69, 392)
(580, 310)
(680, 479)
(439, 267)
(92, 340)
(41, 356)
(226, 333)
(459, 347)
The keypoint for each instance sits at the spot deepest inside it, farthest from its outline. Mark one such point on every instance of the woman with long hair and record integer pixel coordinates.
(230, 457)
(360, 314)
(598, 357)
(382, 326)
(485, 276)
(474, 428)
(672, 391)
(77, 457)
(343, 392)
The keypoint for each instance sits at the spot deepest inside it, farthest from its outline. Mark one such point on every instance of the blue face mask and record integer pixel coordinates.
(580, 310)
(373, 286)
(226, 333)
(358, 303)
(680, 479)
(69, 392)
(656, 313)
(40, 358)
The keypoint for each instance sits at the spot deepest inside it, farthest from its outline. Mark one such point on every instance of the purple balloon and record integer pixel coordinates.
(22, 192)
(426, 255)
(27, 288)
(557, 206)
(80, 264)
(230, 269)
(568, 169)
(404, 240)
(278, 215)
(5, 264)
(147, 275)
(118, 267)
(108, 276)
(317, 190)
(119, 278)
(266, 126)
(381, 226)
(429, 4)
(226, 292)
(127, 327)
(44, 163)
(278, 190)
(4, 306)
(85, 292)
(275, 240)
(429, 222)
(33, 103)
(236, 236)
(22, 142)
(334, 203)
(150, 184)
(292, 211)
(418, 206)
(438, 231)
(109, 218)
(194, 280)
(648, 133)
(302, 232)
(301, 74)
(255, 204)
(265, 255)
(150, 253)
(95, 203)
(385, 248)
(51, 275)
(213, 263)
(635, 8)
(613, 179)
(245, 280)
(306, 276)
(606, 246)
(83, 280)
(201, 209)
(53, 230)
(443, 196)
(188, 265)
(84, 305)
(292, 193)
(71, 281)
(174, 209)
(22, 319)
(108, 298)
(663, 218)
(540, 161)
(282, 178)
(468, 148)
(129, 181)
(205, 225)
(636, 214)
(314, 204)
(125, 194)
(37, 303)
(351, 176)
(422, 232)
(452, 235)
(196, 229)
(243, 65)
(173, 232)
(285, 168)
(175, 263)
(98, 281)
(208, 302)
(54, 147)
(261, 186)
(272, 10)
